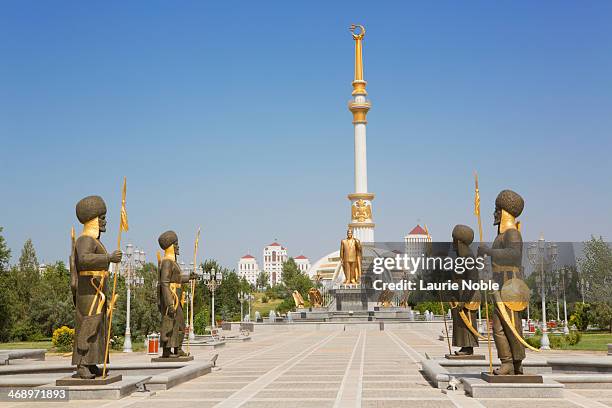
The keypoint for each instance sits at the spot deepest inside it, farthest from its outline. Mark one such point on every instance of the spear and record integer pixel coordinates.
(450, 351)
(192, 283)
(477, 214)
(123, 226)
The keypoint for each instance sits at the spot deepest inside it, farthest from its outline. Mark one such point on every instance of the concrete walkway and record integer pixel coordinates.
(351, 366)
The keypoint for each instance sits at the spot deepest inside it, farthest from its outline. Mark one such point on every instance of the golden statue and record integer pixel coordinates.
(350, 255)
(386, 298)
(298, 299)
(361, 211)
(315, 298)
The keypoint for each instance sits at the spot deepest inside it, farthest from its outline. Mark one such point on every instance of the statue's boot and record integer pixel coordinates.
(84, 373)
(518, 367)
(179, 352)
(504, 369)
(95, 370)
(166, 352)
(465, 351)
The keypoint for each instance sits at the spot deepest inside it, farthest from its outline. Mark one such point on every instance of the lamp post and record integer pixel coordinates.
(213, 281)
(133, 258)
(244, 297)
(565, 326)
(539, 254)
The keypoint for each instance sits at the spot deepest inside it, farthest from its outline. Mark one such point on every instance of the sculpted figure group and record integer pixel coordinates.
(89, 270)
(506, 255)
(89, 267)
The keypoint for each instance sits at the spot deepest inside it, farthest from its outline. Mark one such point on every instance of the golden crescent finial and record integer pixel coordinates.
(361, 31)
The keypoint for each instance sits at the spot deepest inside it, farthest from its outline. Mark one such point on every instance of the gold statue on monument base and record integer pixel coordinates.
(350, 255)
(298, 299)
(315, 298)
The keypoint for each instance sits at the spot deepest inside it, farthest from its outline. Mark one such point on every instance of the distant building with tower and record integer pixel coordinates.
(274, 255)
(416, 241)
(248, 268)
(302, 263)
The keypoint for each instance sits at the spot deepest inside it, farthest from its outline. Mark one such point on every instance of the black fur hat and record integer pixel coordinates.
(89, 208)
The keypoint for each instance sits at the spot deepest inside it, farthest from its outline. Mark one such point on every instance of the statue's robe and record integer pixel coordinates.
(169, 294)
(506, 256)
(90, 259)
(462, 336)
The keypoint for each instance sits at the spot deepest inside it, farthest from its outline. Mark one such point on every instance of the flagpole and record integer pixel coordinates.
(123, 225)
(192, 284)
(477, 213)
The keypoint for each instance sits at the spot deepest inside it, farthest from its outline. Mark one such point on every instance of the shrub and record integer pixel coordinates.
(534, 341)
(573, 338)
(264, 299)
(580, 317)
(63, 338)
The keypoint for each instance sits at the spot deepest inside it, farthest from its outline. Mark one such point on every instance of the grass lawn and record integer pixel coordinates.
(263, 308)
(46, 344)
(593, 341)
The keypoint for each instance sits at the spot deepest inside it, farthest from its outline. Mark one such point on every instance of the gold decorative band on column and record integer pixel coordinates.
(361, 196)
(359, 88)
(362, 225)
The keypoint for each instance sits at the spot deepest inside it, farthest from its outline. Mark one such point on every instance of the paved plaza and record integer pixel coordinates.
(319, 366)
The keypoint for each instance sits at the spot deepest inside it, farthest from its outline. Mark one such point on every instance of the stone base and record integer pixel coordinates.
(113, 391)
(478, 388)
(464, 357)
(351, 298)
(171, 359)
(513, 379)
(76, 380)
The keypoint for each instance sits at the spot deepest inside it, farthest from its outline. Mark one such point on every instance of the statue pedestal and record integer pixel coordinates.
(76, 380)
(171, 359)
(464, 357)
(351, 298)
(513, 379)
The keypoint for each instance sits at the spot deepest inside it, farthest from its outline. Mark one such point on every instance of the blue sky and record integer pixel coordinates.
(232, 116)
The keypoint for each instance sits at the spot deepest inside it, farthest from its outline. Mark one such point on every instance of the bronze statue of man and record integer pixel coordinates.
(89, 264)
(506, 254)
(350, 255)
(170, 283)
(464, 336)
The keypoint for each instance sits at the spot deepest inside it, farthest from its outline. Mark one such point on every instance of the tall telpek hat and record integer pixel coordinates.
(89, 208)
(463, 233)
(511, 202)
(167, 239)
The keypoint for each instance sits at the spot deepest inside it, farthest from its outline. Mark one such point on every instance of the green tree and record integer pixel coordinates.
(28, 260)
(51, 305)
(263, 279)
(5, 253)
(596, 269)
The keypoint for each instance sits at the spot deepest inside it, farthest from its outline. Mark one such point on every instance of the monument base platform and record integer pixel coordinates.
(76, 380)
(479, 388)
(112, 391)
(351, 298)
(464, 357)
(514, 379)
(171, 359)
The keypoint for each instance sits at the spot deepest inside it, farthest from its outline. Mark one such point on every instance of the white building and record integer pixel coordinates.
(302, 263)
(274, 255)
(416, 241)
(248, 268)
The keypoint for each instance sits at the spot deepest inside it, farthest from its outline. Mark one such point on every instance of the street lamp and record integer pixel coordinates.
(243, 297)
(540, 253)
(134, 258)
(213, 281)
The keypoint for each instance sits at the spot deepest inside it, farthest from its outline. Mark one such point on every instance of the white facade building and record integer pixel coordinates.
(302, 263)
(248, 268)
(274, 255)
(416, 241)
